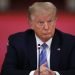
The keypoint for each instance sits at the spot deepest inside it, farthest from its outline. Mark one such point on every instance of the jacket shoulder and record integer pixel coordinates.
(21, 35)
(66, 36)
(20, 38)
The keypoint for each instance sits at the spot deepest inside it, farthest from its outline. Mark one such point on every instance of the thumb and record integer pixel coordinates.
(44, 65)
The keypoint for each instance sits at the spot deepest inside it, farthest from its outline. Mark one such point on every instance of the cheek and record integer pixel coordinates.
(52, 28)
(53, 25)
(36, 29)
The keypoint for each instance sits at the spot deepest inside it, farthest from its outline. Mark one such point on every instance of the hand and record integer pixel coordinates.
(44, 71)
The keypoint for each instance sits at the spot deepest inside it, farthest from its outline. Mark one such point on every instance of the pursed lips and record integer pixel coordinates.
(47, 33)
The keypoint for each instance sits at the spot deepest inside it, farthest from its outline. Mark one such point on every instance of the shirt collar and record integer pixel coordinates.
(39, 41)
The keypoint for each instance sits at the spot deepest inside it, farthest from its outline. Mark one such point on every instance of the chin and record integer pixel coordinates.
(45, 38)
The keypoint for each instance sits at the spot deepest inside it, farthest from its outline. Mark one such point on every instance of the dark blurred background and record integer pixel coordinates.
(23, 4)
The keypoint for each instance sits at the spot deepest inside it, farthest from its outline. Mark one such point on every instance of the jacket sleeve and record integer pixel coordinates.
(71, 67)
(11, 64)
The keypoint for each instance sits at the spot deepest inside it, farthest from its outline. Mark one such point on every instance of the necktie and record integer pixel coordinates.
(43, 57)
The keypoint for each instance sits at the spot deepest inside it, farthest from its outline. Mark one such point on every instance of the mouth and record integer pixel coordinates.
(47, 33)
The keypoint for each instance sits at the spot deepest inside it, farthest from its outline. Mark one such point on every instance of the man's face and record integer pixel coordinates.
(43, 25)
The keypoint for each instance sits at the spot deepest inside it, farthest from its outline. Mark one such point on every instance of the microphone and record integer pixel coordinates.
(38, 59)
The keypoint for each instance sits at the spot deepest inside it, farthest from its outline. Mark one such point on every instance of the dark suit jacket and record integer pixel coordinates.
(21, 57)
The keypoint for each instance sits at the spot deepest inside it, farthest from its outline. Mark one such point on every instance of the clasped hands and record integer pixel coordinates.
(44, 71)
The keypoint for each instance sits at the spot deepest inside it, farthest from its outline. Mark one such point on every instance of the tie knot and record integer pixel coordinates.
(44, 45)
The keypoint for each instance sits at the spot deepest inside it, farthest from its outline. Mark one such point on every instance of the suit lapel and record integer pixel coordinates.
(32, 50)
(55, 52)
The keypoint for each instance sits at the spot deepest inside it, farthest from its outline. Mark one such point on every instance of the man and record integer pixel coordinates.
(25, 49)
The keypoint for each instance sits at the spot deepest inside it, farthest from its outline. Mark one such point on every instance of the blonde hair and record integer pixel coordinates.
(38, 7)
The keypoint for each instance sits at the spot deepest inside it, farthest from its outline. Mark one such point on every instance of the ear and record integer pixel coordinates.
(32, 27)
(31, 24)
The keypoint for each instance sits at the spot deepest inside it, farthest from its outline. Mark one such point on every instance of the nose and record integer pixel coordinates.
(46, 25)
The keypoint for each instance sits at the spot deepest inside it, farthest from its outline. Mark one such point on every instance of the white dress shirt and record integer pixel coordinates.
(38, 41)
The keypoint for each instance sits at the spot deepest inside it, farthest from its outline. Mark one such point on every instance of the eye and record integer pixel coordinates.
(49, 21)
(41, 22)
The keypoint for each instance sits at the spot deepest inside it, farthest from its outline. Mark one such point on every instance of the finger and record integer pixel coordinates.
(51, 72)
(42, 68)
(45, 73)
(44, 64)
